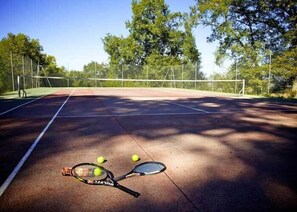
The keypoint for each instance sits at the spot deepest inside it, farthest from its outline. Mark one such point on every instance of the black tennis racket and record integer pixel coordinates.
(146, 168)
(92, 174)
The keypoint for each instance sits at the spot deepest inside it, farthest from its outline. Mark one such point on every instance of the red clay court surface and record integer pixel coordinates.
(221, 153)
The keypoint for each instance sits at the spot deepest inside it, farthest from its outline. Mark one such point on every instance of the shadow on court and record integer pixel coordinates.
(228, 155)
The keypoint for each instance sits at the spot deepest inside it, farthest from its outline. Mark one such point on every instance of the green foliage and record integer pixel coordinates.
(52, 69)
(5, 75)
(91, 74)
(156, 37)
(22, 44)
(284, 70)
(247, 30)
(121, 50)
(24, 54)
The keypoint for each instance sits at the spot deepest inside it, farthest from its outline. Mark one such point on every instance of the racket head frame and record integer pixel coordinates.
(106, 181)
(135, 173)
(102, 181)
(149, 173)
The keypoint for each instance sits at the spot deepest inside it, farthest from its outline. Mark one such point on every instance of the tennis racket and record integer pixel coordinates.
(92, 174)
(146, 168)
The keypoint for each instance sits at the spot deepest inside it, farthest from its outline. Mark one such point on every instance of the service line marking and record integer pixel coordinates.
(125, 115)
(140, 114)
(25, 157)
(185, 106)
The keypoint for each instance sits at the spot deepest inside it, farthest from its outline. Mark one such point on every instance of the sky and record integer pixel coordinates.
(71, 30)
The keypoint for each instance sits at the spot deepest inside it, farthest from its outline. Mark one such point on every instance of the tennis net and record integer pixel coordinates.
(224, 86)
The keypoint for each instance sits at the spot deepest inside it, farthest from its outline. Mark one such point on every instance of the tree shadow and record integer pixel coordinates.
(240, 156)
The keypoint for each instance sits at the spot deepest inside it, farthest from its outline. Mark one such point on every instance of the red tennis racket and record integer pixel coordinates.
(92, 174)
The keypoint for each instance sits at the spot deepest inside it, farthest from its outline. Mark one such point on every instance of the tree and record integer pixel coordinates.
(156, 36)
(21, 45)
(285, 72)
(51, 68)
(3, 75)
(121, 50)
(16, 49)
(248, 29)
(13, 48)
(247, 25)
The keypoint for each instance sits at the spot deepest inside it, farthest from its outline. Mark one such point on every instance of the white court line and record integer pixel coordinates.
(126, 115)
(141, 114)
(21, 105)
(204, 111)
(25, 157)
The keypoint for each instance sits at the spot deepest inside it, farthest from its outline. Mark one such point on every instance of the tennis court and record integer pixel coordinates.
(222, 153)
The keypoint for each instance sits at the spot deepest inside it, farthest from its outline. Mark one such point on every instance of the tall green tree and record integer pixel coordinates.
(20, 45)
(94, 70)
(51, 68)
(14, 49)
(121, 50)
(245, 26)
(3, 75)
(156, 35)
(248, 29)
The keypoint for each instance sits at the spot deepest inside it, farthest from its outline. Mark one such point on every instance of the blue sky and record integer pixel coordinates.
(71, 30)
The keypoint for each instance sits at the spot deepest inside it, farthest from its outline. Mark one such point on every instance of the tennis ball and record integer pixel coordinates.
(100, 159)
(97, 172)
(135, 158)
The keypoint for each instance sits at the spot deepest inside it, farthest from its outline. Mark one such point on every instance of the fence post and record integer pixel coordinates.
(182, 75)
(269, 74)
(37, 79)
(12, 77)
(122, 75)
(147, 76)
(95, 76)
(19, 85)
(24, 80)
(236, 76)
(32, 82)
(196, 68)
(243, 86)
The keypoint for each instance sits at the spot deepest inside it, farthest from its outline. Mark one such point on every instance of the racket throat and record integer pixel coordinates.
(100, 182)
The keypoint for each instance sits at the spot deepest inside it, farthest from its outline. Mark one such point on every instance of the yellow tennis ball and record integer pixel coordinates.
(97, 172)
(135, 158)
(100, 159)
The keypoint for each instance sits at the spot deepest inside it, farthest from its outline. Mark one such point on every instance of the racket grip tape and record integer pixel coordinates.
(129, 191)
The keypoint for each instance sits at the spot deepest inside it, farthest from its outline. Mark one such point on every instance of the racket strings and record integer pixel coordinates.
(90, 172)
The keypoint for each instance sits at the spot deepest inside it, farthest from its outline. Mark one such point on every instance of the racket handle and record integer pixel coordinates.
(129, 191)
(66, 171)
